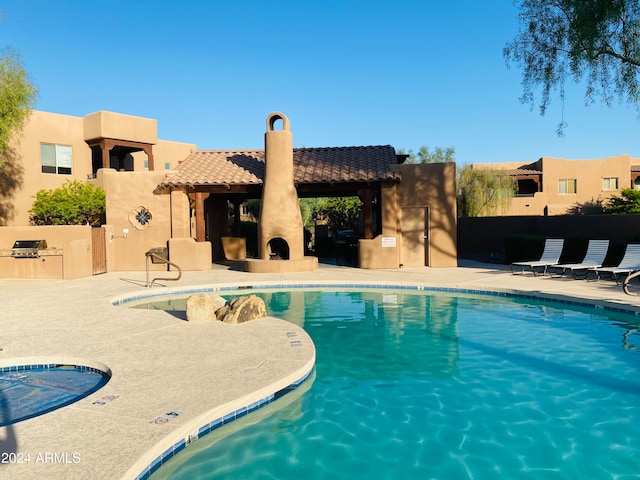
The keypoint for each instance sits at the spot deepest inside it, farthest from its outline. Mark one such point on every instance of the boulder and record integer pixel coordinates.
(242, 309)
(202, 307)
(218, 301)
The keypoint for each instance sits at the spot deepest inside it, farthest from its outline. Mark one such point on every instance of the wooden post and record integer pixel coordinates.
(148, 149)
(200, 233)
(104, 147)
(236, 218)
(367, 213)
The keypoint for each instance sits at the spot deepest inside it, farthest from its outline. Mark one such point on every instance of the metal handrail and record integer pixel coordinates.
(162, 260)
(625, 284)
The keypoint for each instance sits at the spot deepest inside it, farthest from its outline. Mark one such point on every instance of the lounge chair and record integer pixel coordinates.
(630, 263)
(550, 256)
(596, 253)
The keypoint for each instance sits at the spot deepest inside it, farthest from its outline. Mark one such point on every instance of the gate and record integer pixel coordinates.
(99, 250)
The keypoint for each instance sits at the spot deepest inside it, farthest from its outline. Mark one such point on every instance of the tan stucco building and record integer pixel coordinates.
(163, 194)
(553, 186)
(54, 148)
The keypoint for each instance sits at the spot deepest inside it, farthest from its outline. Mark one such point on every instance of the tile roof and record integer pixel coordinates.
(530, 169)
(310, 165)
(524, 171)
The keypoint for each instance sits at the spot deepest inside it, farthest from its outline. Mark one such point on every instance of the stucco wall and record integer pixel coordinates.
(165, 154)
(431, 186)
(103, 124)
(379, 252)
(73, 255)
(390, 212)
(589, 174)
(425, 199)
(25, 172)
(48, 128)
(126, 193)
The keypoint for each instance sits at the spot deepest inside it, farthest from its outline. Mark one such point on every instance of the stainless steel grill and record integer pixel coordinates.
(27, 248)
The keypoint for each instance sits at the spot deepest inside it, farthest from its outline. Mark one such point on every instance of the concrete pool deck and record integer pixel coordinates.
(161, 364)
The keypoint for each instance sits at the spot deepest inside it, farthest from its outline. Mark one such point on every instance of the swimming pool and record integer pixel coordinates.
(416, 384)
(27, 391)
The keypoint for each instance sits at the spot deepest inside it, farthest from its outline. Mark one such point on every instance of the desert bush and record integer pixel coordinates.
(74, 203)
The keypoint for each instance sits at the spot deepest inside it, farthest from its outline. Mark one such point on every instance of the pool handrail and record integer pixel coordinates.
(156, 258)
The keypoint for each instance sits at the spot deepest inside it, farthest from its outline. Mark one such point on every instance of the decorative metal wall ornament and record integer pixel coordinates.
(140, 217)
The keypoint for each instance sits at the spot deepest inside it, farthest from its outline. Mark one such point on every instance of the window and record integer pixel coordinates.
(56, 158)
(167, 166)
(610, 183)
(567, 186)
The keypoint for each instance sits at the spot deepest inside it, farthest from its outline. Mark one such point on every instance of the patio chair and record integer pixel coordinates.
(630, 263)
(550, 256)
(596, 253)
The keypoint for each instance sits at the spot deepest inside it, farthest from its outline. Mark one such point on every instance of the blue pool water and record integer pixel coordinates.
(444, 386)
(35, 390)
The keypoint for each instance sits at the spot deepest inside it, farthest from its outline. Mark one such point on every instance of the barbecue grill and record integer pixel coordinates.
(27, 248)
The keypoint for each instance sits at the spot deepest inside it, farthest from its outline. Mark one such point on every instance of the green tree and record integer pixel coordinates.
(74, 203)
(482, 192)
(595, 40)
(342, 213)
(590, 207)
(411, 156)
(309, 208)
(17, 98)
(253, 207)
(424, 155)
(627, 202)
(439, 155)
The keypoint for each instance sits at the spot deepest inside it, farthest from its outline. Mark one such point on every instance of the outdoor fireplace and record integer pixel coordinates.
(280, 228)
(280, 220)
(278, 248)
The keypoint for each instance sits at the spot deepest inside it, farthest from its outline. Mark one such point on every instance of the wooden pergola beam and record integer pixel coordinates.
(107, 144)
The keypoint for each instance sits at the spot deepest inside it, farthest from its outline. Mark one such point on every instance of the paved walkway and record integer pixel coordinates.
(160, 364)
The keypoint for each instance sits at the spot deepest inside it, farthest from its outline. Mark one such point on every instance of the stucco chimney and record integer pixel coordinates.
(280, 228)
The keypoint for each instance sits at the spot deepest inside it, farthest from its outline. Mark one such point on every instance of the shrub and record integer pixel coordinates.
(74, 203)
(627, 202)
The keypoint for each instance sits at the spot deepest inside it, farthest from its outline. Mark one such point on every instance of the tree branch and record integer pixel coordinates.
(622, 58)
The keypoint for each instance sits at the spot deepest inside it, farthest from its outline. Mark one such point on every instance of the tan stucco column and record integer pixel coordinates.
(180, 214)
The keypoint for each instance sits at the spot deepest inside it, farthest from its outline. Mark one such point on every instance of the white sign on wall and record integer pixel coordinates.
(388, 242)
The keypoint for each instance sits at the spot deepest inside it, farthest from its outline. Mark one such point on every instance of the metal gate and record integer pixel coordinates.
(99, 250)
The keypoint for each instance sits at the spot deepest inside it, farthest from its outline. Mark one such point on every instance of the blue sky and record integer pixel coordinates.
(401, 72)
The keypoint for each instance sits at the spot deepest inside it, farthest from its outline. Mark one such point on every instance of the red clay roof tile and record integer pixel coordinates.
(524, 171)
(310, 165)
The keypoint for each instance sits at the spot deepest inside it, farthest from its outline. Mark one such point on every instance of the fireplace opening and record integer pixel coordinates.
(278, 249)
